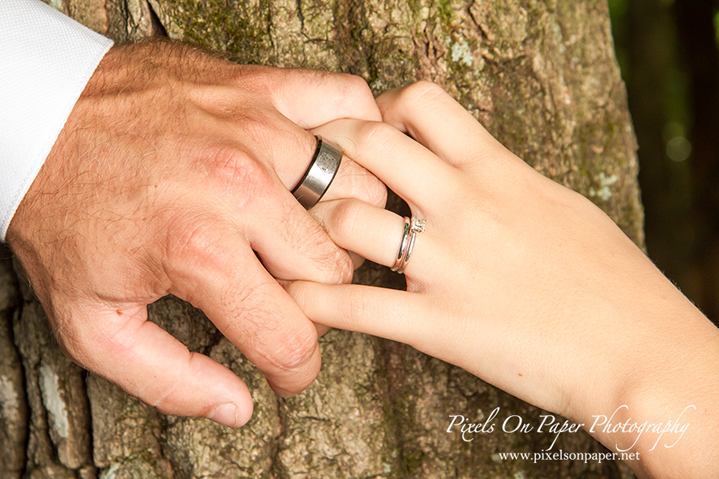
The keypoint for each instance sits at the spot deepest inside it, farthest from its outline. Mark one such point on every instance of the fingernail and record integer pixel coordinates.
(225, 415)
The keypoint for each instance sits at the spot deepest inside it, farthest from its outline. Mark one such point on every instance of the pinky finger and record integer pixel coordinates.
(387, 313)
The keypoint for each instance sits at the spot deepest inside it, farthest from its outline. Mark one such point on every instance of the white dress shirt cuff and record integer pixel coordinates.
(46, 60)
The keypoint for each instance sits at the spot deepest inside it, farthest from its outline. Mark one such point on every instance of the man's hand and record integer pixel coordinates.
(173, 169)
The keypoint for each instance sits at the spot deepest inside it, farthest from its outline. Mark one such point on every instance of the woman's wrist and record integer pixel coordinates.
(656, 411)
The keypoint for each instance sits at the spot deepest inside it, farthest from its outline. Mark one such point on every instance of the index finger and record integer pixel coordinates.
(312, 98)
(217, 271)
(382, 312)
(432, 117)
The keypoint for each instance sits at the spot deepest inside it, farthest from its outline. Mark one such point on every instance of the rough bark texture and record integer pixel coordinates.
(540, 75)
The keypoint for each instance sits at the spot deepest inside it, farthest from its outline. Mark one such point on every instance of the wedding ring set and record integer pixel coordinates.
(406, 245)
(316, 181)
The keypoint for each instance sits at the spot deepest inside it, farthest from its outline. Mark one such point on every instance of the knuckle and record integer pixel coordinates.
(374, 192)
(418, 94)
(250, 121)
(297, 350)
(197, 244)
(356, 86)
(357, 182)
(343, 219)
(257, 328)
(280, 80)
(238, 176)
(336, 265)
(313, 240)
(192, 241)
(253, 76)
(372, 136)
(254, 81)
(355, 309)
(235, 170)
(341, 224)
(344, 267)
(299, 145)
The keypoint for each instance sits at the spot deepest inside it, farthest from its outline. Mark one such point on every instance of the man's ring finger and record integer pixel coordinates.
(319, 175)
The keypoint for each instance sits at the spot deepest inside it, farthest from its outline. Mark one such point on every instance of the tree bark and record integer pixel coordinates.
(540, 75)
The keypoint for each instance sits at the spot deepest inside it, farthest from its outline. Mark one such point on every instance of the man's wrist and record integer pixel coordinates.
(47, 60)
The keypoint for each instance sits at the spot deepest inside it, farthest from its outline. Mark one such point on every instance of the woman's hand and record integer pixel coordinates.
(518, 280)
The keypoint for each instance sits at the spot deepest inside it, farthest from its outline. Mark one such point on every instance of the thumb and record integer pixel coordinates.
(147, 362)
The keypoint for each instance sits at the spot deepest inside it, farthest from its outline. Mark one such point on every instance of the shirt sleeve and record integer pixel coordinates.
(46, 59)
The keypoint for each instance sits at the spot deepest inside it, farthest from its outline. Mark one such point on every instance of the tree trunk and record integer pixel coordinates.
(540, 75)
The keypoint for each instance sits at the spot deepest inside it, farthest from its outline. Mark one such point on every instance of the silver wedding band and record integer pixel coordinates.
(319, 175)
(406, 245)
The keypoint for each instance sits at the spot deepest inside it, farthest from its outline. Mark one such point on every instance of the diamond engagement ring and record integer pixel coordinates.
(319, 175)
(409, 235)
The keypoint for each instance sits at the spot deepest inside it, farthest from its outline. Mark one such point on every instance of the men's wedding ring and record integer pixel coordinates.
(406, 246)
(319, 175)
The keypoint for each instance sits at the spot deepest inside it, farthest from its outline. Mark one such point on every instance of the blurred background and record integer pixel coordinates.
(668, 51)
